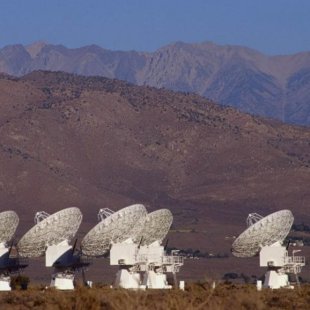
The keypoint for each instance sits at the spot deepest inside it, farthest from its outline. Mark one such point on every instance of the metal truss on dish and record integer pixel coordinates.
(265, 235)
(8, 223)
(51, 236)
(144, 255)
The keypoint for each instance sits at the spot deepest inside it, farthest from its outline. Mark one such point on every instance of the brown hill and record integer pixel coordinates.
(103, 139)
(273, 86)
(94, 142)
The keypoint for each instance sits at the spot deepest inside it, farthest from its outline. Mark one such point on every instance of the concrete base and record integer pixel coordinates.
(5, 284)
(62, 282)
(126, 279)
(153, 280)
(182, 285)
(275, 280)
(259, 285)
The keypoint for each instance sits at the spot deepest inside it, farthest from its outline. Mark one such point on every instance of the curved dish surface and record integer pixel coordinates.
(115, 228)
(8, 223)
(154, 227)
(58, 227)
(270, 229)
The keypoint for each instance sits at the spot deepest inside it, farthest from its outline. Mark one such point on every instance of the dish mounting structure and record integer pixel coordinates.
(145, 258)
(8, 224)
(51, 237)
(133, 237)
(265, 235)
(113, 228)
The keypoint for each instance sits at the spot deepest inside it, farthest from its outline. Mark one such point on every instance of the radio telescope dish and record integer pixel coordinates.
(154, 227)
(8, 223)
(146, 254)
(52, 230)
(263, 232)
(116, 227)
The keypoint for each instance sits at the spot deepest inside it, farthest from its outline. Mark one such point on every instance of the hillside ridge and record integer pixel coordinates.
(272, 86)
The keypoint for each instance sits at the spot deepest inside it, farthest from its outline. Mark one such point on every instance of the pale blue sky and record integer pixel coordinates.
(271, 26)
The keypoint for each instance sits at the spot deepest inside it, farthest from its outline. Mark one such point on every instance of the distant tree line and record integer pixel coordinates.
(230, 277)
(305, 240)
(301, 227)
(233, 276)
(192, 253)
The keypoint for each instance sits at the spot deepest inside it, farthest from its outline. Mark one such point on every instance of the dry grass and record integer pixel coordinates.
(196, 296)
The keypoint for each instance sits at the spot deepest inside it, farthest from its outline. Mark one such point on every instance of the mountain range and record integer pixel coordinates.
(272, 86)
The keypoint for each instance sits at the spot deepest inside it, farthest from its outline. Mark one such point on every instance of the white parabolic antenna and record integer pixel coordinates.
(8, 223)
(153, 227)
(115, 228)
(265, 232)
(52, 230)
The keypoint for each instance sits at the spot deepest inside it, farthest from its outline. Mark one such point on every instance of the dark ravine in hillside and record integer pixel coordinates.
(273, 86)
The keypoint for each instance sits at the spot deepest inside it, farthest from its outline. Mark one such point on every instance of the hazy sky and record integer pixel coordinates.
(271, 26)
